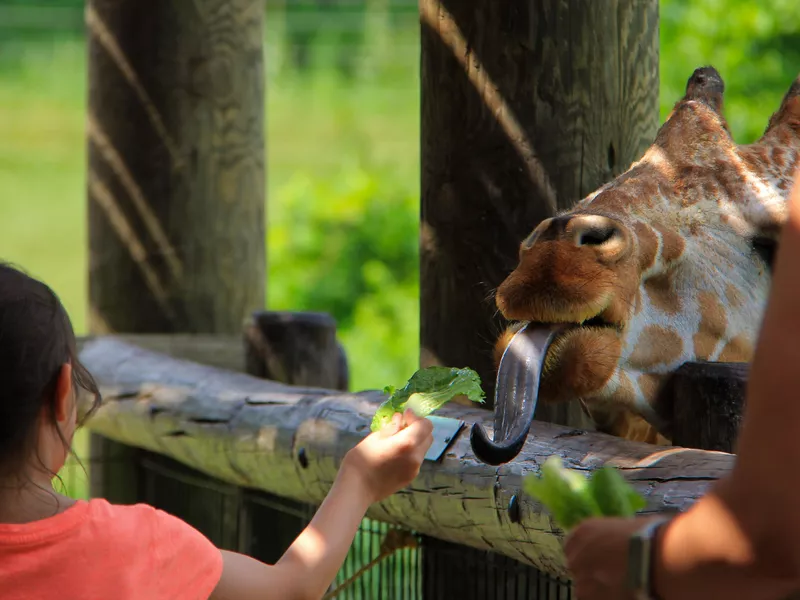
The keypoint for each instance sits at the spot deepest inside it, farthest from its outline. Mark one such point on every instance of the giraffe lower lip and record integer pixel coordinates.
(580, 360)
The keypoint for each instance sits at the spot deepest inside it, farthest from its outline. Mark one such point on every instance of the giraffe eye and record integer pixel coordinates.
(765, 248)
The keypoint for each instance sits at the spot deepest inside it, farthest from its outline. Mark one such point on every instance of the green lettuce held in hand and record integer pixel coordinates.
(570, 497)
(428, 390)
(614, 495)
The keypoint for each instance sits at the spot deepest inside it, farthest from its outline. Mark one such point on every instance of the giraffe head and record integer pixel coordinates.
(667, 263)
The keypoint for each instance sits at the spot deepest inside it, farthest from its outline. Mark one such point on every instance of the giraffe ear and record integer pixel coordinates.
(705, 87)
(775, 155)
(789, 112)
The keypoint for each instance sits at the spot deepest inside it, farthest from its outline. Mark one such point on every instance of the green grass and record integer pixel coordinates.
(42, 201)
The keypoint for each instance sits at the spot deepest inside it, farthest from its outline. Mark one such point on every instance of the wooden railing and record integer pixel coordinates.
(288, 440)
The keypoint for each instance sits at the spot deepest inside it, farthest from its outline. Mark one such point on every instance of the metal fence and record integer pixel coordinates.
(385, 562)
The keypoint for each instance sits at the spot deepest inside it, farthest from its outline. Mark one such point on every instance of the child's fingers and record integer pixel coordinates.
(393, 426)
(409, 417)
(418, 434)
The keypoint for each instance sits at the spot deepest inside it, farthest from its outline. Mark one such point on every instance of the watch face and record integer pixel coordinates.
(640, 550)
(638, 563)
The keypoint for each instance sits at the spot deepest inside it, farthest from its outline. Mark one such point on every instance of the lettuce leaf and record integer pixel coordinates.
(428, 390)
(615, 497)
(565, 494)
(570, 497)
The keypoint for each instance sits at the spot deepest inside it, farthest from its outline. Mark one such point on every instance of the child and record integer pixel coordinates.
(54, 547)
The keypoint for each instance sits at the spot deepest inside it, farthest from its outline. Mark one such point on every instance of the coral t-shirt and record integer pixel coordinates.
(99, 551)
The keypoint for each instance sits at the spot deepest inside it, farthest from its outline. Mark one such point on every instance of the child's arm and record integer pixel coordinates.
(380, 465)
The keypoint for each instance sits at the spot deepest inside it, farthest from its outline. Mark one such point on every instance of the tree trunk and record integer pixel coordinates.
(526, 107)
(176, 165)
(290, 441)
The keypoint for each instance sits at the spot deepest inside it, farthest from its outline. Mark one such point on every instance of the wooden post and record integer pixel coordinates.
(175, 178)
(296, 348)
(526, 107)
(708, 402)
(176, 165)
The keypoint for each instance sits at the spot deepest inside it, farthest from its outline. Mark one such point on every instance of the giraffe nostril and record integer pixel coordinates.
(592, 230)
(595, 236)
(607, 236)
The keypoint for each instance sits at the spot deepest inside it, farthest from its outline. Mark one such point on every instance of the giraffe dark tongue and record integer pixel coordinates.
(516, 394)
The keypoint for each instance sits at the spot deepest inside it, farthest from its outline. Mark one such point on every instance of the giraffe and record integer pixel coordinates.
(667, 263)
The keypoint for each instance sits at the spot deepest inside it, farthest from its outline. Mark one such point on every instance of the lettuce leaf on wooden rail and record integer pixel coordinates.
(570, 497)
(428, 390)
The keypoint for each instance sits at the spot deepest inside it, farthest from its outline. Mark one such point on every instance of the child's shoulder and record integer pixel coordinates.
(101, 510)
(145, 526)
(138, 519)
(156, 546)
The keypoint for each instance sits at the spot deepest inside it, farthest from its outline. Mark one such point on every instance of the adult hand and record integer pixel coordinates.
(597, 557)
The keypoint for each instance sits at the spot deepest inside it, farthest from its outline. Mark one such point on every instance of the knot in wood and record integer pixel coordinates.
(214, 77)
(514, 511)
(302, 458)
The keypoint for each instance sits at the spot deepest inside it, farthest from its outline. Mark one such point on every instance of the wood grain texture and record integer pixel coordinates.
(176, 165)
(526, 107)
(708, 401)
(290, 441)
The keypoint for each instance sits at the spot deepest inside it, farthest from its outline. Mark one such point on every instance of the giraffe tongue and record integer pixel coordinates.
(516, 394)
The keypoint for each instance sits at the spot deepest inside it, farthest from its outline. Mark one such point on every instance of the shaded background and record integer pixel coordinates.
(342, 148)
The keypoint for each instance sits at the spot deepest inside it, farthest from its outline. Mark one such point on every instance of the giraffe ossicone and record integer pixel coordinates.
(667, 263)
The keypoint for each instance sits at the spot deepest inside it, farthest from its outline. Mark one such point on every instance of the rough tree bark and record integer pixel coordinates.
(289, 441)
(526, 107)
(176, 165)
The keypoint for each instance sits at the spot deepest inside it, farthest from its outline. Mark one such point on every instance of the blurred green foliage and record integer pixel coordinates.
(754, 45)
(343, 147)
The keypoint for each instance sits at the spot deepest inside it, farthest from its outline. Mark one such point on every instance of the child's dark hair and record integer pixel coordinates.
(36, 339)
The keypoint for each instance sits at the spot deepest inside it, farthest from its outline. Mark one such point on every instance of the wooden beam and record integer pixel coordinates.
(176, 186)
(526, 107)
(222, 351)
(289, 441)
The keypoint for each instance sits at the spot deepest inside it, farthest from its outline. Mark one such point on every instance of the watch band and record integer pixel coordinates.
(640, 559)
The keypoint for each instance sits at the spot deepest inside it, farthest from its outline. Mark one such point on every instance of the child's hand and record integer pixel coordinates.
(388, 460)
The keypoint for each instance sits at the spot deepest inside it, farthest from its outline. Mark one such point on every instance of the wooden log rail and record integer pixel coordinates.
(289, 441)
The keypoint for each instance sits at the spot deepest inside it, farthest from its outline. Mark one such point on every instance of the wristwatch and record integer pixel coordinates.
(640, 559)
